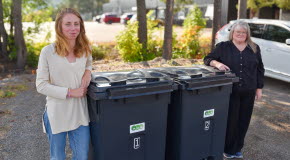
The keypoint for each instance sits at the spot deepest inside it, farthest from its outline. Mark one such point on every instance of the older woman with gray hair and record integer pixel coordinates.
(241, 56)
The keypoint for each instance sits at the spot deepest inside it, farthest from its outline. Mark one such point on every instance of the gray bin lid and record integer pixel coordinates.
(198, 76)
(116, 85)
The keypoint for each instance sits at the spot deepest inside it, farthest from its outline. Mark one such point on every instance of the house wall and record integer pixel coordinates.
(284, 15)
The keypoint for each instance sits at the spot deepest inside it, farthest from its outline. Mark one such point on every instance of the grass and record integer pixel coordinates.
(10, 90)
(7, 94)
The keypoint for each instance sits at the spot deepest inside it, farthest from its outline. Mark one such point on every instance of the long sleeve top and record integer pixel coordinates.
(246, 64)
(55, 75)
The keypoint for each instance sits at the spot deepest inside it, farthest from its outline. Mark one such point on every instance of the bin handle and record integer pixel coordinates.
(108, 79)
(147, 77)
(111, 82)
(136, 71)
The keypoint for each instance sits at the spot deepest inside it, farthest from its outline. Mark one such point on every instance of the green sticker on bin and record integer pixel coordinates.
(208, 113)
(134, 128)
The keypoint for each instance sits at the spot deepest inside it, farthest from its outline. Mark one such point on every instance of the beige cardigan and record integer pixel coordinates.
(54, 76)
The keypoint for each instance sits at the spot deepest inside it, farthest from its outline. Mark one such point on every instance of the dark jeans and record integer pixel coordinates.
(239, 117)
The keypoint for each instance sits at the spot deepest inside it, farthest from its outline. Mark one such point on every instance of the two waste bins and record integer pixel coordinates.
(131, 118)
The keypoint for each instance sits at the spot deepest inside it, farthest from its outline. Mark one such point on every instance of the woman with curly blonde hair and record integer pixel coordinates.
(63, 75)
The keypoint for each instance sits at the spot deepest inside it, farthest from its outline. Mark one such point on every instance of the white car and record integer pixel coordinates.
(273, 37)
(126, 17)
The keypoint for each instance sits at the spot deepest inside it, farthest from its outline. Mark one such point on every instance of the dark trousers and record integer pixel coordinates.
(239, 117)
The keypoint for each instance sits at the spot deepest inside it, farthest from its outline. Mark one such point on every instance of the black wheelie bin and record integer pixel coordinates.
(128, 113)
(197, 117)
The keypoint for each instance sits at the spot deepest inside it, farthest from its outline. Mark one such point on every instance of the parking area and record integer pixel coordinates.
(101, 32)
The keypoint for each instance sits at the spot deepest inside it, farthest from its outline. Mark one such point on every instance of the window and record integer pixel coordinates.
(256, 30)
(276, 33)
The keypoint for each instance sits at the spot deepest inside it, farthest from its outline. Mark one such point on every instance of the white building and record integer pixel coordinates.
(121, 6)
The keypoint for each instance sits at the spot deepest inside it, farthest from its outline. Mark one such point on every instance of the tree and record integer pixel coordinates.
(217, 13)
(256, 5)
(283, 4)
(242, 9)
(3, 34)
(167, 44)
(142, 25)
(18, 35)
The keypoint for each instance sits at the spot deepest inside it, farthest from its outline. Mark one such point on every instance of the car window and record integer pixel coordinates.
(276, 33)
(256, 30)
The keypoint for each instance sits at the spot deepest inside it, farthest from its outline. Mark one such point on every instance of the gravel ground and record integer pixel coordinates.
(269, 134)
(21, 136)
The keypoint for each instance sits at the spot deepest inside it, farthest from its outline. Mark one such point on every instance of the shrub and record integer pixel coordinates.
(110, 50)
(188, 45)
(205, 46)
(129, 47)
(127, 44)
(98, 52)
(33, 52)
(194, 18)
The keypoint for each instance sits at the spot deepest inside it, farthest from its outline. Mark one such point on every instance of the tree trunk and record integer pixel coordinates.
(142, 23)
(167, 44)
(242, 9)
(3, 35)
(11, 20)
(11, 33)
(216, 21)
(257, 15)
(18, 35)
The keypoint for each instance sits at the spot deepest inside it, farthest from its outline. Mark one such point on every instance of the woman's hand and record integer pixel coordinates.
(258, 94)
(220, 66)
(78, 92)
(86, 79)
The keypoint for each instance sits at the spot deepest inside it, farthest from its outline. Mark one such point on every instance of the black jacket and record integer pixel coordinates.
(246, 64)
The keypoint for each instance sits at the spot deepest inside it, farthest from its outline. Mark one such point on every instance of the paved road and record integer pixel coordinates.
(98, 32)
(21, 136)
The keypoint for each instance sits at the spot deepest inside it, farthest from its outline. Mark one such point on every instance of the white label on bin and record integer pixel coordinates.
(206, 125)
(208, 113)
(136, 143)
(137, 127)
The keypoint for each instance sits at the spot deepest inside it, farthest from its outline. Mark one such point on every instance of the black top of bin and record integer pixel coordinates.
(116, 85)
(198, 76)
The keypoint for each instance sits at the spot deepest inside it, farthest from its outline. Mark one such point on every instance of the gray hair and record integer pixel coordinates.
(244, 25)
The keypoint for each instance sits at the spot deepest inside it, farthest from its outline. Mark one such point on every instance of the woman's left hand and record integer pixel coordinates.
(86, 79)
(258, 94)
